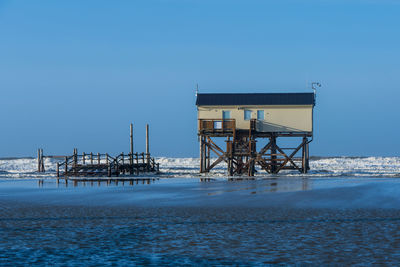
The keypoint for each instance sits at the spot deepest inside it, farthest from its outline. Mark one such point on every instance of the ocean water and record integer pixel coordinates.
(25, 168)
(183, 221)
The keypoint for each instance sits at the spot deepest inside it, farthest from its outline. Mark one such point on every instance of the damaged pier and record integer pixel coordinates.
(104, 165)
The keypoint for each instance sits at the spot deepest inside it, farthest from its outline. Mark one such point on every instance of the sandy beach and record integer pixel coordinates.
(185, 221)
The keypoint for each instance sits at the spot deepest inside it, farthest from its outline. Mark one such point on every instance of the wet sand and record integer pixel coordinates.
(184, 221)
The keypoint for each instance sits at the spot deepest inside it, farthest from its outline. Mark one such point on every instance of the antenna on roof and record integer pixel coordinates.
(314, 86)
(197, 88)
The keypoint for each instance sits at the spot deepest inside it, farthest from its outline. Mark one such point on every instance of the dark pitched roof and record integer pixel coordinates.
(255, 99)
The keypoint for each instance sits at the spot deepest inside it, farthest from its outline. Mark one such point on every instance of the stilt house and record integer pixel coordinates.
(244, 118)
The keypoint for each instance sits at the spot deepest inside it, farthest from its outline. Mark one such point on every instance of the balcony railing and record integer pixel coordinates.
(217, 125)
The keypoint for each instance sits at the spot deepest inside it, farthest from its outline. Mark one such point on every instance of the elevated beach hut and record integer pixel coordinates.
(242, 119)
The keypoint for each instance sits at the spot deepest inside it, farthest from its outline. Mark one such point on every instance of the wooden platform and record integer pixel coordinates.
(104, 165)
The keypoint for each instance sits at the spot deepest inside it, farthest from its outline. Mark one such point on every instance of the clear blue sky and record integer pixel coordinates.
(76, 73)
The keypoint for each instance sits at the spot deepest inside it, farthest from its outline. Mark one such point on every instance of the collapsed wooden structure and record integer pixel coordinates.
(105, 165)
(242, 133)
(98, 165)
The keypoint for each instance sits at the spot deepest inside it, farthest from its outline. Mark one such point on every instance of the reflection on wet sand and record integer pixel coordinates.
(99, 182)
(261, 185)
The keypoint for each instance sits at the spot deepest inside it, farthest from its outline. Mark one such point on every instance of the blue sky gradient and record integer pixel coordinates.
(76, 73)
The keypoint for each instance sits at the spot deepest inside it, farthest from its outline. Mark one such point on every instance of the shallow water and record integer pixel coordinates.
(185, 221)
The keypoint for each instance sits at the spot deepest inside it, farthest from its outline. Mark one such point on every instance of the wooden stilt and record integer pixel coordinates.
(147, 148)
(38, 160)
(58, 170)
(201, 154)
(131, 138)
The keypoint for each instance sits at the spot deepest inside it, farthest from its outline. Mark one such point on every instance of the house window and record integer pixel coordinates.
(226, 114)
(260, 114)
(247, 115)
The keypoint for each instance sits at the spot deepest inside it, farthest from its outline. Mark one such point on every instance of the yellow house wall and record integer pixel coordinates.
(276, 118)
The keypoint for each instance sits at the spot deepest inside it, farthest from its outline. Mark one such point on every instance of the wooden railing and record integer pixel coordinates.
(79, 165)
(217, 125)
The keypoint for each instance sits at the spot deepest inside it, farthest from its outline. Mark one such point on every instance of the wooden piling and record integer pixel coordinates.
(66, 167)
(42, 160)
(201, 154)
(75, 156)
(147, 148)
(273, 154)
(58, 170)
(131, 137)
(38, 158)
(137, 163)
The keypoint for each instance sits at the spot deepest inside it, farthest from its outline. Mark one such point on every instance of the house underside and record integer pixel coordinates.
(245, 149)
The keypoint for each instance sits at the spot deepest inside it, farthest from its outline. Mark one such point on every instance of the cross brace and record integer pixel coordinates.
(241, 155)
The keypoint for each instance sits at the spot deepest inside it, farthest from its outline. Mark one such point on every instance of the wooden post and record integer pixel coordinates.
(91, 158)
(205, 155)
(307, 156)
(42, 160)
(58, 170)
(131, 135)
(201, 154)
(98, 158)
(304, 158)
(208, 158)
(109, 169)
(131, 163)
(147, 148)
(106, 158)
(273, 154)
(137, 163)
(38, 158)
(66, 167)
(229, 152)
(75, 156)
(83, 158)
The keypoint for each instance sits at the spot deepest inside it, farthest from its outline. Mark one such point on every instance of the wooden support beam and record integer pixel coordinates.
(288, 158)
(38, 160)
(273, 152)
(215, 163)
(201, 153)
(131, 138)
(58, 170)
(147, 147)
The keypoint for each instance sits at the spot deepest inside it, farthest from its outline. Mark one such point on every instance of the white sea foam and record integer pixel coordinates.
(189, 167)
